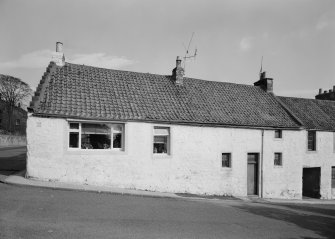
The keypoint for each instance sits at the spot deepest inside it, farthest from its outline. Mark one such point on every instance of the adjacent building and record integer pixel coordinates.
(18, 119)
(172, 133)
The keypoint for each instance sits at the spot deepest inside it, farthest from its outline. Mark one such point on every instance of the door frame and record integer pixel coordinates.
(316, 194)
(257, 177)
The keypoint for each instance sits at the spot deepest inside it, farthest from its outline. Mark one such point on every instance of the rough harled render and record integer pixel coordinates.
(319, 116)
(176, 134)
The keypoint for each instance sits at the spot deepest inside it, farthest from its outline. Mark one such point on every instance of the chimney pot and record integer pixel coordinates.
(325, 92)
(330, 90)
(178, 61)
(320, 91)
(59, 47)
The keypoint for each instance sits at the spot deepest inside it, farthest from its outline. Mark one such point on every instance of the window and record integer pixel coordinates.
(278, 134)
(96, 136)
(226, 160)
(278, 159)
(333, 177)
(17, 122)
(161, 140)
(311, 140)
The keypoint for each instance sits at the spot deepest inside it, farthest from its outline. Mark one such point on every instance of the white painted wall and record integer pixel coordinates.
(194, 165)
(323, 157)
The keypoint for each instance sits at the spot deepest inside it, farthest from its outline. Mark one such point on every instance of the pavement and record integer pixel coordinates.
(19, 178)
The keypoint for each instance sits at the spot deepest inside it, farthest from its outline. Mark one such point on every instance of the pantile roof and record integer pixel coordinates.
(314, 114)
(79, 91)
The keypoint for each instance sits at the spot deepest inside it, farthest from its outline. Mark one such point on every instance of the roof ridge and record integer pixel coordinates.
(155, 74)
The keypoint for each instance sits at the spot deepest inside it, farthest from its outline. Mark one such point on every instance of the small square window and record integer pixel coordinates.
(278, 159)
(278, 134)
(161, 143)
(226, 160)
(311, 138)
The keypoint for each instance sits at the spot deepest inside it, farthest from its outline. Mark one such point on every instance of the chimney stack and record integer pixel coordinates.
(58, 56)
(178, 72)
(265, 83)
(326, 95)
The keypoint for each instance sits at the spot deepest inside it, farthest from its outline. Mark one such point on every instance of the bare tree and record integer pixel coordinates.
(12, 92)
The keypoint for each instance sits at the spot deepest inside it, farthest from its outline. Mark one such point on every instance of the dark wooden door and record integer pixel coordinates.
(311, 182)
(252, 174)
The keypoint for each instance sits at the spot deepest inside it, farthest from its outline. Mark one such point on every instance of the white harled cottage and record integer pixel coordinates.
(170, 133)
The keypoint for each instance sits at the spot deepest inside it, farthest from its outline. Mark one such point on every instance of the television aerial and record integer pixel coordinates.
(187, 52)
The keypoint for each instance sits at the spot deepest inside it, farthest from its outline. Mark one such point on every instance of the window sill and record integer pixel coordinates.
(311, 151)
(75, 151)
(162, 155)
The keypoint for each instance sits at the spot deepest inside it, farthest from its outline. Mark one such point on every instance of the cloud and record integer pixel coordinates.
(322, 25)
(246, 43)
(101, 60)
(36, 59)
(40, 58)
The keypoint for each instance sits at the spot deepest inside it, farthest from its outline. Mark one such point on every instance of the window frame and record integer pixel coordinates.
(280, 157)
(229, 160)
(314, 148)
(168, 143)
(79, 131)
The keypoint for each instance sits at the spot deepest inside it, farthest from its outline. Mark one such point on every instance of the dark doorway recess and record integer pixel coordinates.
(311, 182)
(252, 174)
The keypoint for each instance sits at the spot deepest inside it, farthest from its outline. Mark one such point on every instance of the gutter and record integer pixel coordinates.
(190, 123)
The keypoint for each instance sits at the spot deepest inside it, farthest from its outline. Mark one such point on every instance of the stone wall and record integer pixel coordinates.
(12, 140)
(194, 165)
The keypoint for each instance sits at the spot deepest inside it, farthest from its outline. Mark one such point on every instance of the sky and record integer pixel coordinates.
(296, 39)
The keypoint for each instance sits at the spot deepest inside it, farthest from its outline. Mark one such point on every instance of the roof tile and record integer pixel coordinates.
(96, 93)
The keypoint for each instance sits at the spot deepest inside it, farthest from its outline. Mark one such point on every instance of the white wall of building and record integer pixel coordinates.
(323, 157)
(194, 165)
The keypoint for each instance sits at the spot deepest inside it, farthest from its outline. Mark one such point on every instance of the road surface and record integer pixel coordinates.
(29, 212)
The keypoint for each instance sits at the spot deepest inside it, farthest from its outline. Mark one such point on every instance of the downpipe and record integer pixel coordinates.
(261, 164)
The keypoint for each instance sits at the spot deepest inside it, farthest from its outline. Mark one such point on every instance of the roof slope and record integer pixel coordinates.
(314, 114)
(87, 92)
